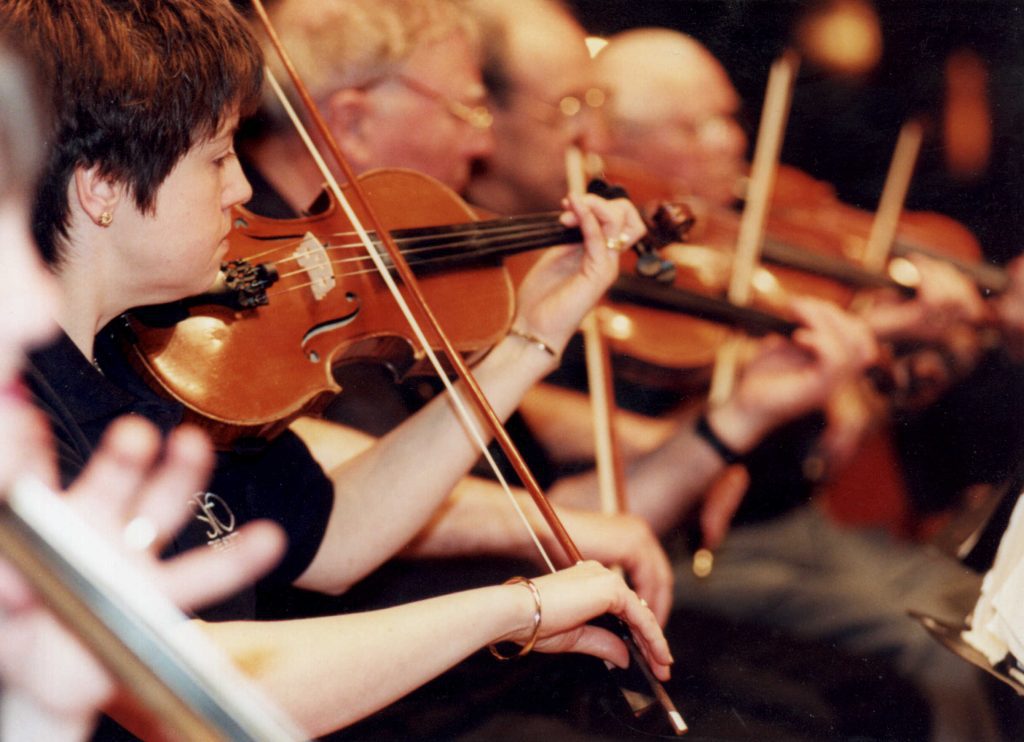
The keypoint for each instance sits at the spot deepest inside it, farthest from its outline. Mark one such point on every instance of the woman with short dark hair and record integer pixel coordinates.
(128, 226)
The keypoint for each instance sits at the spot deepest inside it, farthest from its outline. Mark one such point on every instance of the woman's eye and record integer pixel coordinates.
(223, 159)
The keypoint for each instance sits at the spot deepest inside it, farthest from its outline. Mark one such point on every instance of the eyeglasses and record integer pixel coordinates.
(479, 116)
(709, 128)
(568, 108)
(705, 130)
(572, 105)
(715, 126)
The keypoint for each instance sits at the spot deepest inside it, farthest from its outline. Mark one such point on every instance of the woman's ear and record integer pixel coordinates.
(348, 112)
(97, 194)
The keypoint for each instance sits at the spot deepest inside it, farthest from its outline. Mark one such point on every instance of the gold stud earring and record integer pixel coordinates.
(105, 219)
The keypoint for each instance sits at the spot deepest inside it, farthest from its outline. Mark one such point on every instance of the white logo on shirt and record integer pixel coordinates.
(215, 513)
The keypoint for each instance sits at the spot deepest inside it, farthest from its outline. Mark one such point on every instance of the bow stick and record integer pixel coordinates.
(755, 213)
(882, 237)
(476, 395)
(778, 96)
(607, 462)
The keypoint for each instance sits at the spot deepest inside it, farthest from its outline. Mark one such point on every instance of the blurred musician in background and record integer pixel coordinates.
(692, 144)
(543, 87)
(794, 569)
(373, 68)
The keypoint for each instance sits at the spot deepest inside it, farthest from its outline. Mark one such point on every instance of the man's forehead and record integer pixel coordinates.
(552, 53)
(450, 64)
(552, 75)
(705, 89)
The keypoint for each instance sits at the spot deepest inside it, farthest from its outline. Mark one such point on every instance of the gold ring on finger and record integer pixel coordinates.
(618, 244)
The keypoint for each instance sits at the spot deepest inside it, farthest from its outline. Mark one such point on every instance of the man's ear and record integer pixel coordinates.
(348, 112)
(98, 195)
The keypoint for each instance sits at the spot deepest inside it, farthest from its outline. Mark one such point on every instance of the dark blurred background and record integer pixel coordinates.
(958, 64)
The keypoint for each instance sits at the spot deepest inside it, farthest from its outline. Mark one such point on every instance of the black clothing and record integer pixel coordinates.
(80, 401)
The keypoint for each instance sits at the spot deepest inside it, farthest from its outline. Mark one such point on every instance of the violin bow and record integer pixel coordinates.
(608, 461)
(475, 393)
(144, 641)
(608, 465)
(611, 480)
(778, 96)
(882, 237)
(763, 170)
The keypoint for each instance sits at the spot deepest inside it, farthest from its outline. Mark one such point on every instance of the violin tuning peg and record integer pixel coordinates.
(649, 265)
(666, 272)
(670, 220)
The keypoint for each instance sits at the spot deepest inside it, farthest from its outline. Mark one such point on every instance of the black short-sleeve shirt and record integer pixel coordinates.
(281, 481)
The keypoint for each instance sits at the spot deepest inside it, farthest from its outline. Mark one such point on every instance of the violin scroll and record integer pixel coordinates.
(666, 223)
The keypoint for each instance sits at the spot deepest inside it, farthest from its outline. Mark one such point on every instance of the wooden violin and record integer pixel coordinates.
(297, 297)
(813, 246)
(810, 248)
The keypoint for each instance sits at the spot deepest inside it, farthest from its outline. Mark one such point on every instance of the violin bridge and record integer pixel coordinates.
(312, 256)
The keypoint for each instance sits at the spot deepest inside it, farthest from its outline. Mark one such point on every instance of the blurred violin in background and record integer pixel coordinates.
(812, 248)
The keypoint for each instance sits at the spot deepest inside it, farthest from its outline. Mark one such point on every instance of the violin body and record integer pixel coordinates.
(669, 350)
(797, 201)
(249, 372)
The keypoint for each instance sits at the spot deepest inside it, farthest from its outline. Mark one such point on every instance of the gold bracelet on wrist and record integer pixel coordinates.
(528, 646)
(533, 340)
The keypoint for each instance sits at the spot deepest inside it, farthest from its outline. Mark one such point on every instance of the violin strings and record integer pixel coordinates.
(420, 245)
(452, 251)
(447, 252)
(501, 248)
(406, 235)
(411, 236)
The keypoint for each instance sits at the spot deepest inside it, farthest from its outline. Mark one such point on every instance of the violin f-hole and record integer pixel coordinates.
(329, 326)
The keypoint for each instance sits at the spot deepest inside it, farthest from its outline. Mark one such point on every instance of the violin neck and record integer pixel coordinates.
(786, 255)
(648, 293)
(483, 242)
(989, 278)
